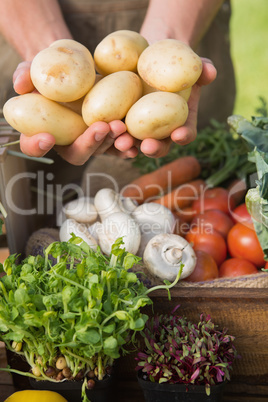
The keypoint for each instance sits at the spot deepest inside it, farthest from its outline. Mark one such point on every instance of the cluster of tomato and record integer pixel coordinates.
(223, 237)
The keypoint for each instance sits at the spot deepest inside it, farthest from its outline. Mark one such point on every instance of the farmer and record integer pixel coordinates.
(28, 27)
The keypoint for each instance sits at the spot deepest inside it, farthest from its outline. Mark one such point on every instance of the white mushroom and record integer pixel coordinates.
(127, 204)
(93, 230)
(107, 202)
(82, 210)
(153, 219)
(79, 229)
(164, 255)
(145, 238)
(119, 224)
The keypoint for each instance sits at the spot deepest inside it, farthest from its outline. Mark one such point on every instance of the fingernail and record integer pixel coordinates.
(45, 146)
(100, 136)
(17, 79)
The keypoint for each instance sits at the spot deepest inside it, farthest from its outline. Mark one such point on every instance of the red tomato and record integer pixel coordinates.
(215, 219)
(266, 265)
(241, 214)
(237, 190)
(181, 227)
(237, 267)
(186, 214)
(206, 268)
(243, 242)
(212, 243)
(214, 198)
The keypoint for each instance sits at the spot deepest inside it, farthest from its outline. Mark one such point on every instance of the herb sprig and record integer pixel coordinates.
(221, 154)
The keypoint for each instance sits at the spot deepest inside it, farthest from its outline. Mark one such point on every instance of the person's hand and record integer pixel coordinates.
(111, 138)
(187, 133)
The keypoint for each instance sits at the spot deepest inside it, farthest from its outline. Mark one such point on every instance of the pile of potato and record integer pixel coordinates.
(146, 85)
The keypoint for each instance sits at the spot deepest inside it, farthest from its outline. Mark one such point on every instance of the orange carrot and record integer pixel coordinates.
(183, 195)
(186, 214)
(150, 185)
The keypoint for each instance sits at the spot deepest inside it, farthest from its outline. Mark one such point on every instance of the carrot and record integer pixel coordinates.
(186, 214)
(183, 195)
(168, 176)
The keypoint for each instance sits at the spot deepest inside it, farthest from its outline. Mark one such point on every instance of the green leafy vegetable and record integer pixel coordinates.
(256, 135)
(85, 307)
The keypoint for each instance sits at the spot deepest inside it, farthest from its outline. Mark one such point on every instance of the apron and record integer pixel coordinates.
(91, 20)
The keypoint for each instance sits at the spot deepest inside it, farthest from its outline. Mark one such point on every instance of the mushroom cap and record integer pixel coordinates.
(145, 237)
(155, 218)
(164, 255)
(119, 224)
(106, 202)
(79, 229)
(81, 210)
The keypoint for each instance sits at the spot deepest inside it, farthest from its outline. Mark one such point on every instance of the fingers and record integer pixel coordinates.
(85, 145)
(37, 145)
(209, 73)
(21, 78)
(125, 142)
(154, 148)
(129, 154)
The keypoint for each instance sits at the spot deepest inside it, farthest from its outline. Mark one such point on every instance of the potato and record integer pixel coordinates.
(63, 72)
(119, 51)
(169, 65)
(111, 97)
(76, 105)
(33, 113)
(185, 93)
(156, 115)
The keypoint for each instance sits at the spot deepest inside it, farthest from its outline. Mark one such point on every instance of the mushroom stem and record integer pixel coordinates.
(173, 255)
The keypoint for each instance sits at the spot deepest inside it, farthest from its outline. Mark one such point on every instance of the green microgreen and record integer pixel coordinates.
(81, 304)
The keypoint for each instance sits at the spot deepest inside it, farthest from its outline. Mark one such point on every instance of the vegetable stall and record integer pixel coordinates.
(191, 226)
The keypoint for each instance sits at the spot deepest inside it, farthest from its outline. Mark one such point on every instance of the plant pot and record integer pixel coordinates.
(71, 390)
(104, 390)
(155, 392)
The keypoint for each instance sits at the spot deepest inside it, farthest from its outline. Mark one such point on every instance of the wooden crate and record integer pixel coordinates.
(14, 194)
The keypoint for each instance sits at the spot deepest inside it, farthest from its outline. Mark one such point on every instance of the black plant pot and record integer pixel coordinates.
(71, 390)
(155, 392)
(103, 391)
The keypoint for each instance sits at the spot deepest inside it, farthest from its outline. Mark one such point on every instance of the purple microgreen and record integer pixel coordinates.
(178, 351)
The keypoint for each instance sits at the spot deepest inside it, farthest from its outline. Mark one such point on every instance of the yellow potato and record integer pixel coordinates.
(119, 51)
(111, 97)
(147, 90)
(156, 115)
(32, 113)
(169, 65)
(185, 93)
(63, 72)
(76, 105)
